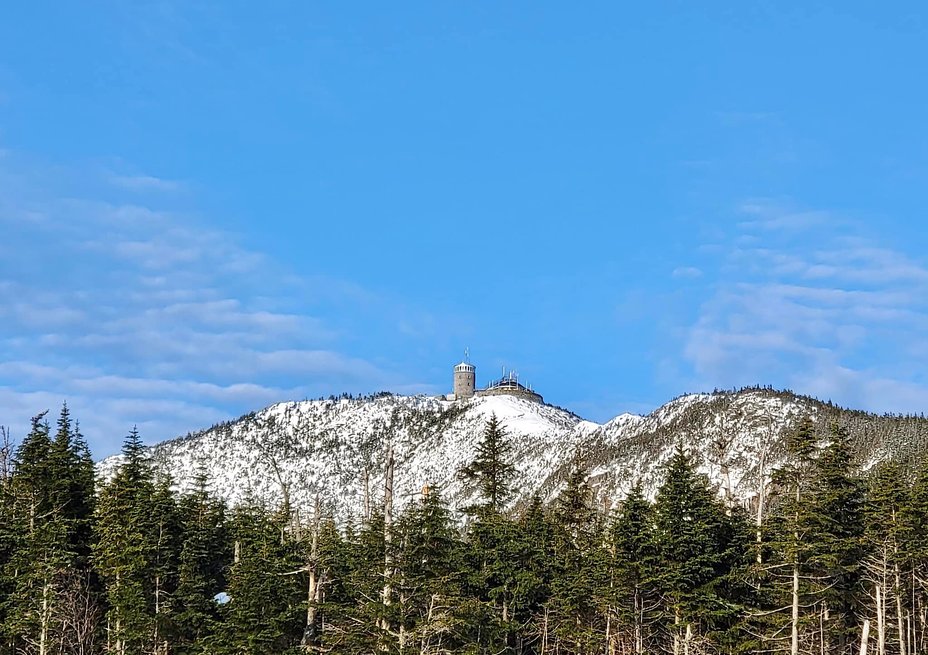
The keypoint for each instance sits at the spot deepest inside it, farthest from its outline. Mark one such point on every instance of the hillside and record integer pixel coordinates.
(335, 448)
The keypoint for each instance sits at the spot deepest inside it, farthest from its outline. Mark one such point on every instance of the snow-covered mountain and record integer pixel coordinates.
(335, 448)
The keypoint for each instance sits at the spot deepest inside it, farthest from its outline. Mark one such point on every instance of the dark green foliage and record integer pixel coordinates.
(49, 496)
(201, 563)
(632, 558)
(698, 548)
(123, 552)
(491, 469)
(265, 611)
(136, 567)
(578, 577)
(433, 606)
(837, 553)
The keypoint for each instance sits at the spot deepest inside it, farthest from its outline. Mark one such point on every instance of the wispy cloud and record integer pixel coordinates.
(136, 314)
(811, 300)
(687, 272)
(144, 183)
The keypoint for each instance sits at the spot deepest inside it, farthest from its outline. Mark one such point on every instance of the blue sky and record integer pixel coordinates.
(207, 207)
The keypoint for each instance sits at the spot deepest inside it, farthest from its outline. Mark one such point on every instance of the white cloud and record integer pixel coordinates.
(139, 315)
(142, 183)
(687, 272)
(812, 302)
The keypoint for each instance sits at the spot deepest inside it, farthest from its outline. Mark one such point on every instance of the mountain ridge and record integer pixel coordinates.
(333, 448)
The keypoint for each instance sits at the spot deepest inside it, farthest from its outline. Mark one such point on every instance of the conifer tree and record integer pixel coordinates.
(914, 547)
(491, 535)
(785, 577)
(579, 584)
(884, 560)
(492, 470)
(166, 535)
(535, 547)
(123, 550)
(337, 601)
(201, 563)
(837, 552)
(9, 536)
(45, 549)
(431, 578)
(362, 575)
(693, 541)
(266, 608)
(631, 561)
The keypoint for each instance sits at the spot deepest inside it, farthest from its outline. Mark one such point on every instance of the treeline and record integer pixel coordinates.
(829, 562)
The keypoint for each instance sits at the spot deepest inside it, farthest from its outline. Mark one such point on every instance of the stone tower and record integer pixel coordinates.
(465, 380)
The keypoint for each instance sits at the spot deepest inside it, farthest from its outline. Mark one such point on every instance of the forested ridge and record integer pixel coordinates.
(829, 559)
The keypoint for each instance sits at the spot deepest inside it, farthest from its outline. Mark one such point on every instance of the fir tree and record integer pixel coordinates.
(579, 583)
(783, 580)
(837, 553)
(914, 554)
(123, 552)
(693, 541)
(266, 605)
(431, 577)
(532, 585)
(885, 533)
(491, 469)
(201, 562)
(45, 550)
(631, 553)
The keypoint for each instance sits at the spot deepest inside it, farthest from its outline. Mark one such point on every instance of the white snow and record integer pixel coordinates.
(325, 447)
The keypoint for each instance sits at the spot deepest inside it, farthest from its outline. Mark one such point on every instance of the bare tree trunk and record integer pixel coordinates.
(120, 644)
(6, 454)
(676, 631)
(313, 586)
(544, 634)
(402, 630)
(157, 607)
(897, 588)
(44, 621)
(794, 622)
(864, 637)
(761, 498)
(367, 496)
(880, 621)
(387, 594)
(610, 646)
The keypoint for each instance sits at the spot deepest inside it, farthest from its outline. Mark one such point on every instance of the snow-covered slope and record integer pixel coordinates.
(328, 447)
(335, 448)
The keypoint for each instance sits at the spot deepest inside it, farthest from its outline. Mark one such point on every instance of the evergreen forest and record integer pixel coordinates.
(828, 559)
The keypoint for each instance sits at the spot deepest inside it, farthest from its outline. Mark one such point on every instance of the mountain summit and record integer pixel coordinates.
(334, 449)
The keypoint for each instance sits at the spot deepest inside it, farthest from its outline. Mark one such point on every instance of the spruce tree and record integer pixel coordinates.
(914, 547)
(884, 563)
(203, 557)
(166, 535)
(491, 470)
(579, 584)
(123, 552)
(695, 545)
(535, 547)
(784, 576)
(45, 549)
(838, 552)
(431, 576)
(266, 608)
(490, 536)
(631, 563)
(9, 536)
